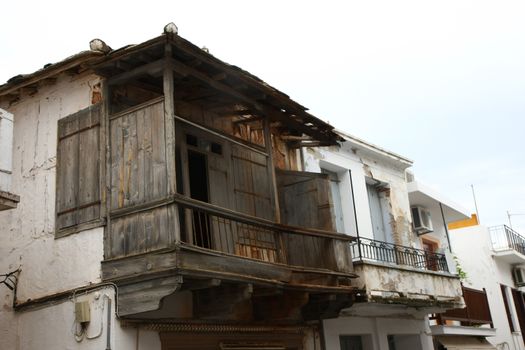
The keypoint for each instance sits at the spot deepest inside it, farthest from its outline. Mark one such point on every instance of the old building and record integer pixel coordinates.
(401, 253)
(163, 206)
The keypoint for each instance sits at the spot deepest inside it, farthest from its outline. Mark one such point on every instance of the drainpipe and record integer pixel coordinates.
(355, 215)
(446, 227)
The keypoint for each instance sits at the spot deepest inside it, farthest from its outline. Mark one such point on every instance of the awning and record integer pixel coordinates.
(464, 343)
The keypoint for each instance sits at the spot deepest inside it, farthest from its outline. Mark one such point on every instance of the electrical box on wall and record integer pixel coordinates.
(82, 312)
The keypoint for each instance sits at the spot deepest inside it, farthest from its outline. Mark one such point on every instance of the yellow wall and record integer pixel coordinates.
(473, 221)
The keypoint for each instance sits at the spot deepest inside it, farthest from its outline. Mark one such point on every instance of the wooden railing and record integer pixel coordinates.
(476, 311)
(222, 230)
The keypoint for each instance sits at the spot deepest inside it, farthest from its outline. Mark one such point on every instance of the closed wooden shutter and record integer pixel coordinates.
(78, 171)
(305, 199)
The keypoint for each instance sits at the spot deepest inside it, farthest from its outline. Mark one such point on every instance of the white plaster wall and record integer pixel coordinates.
(27, 233)
(377, 329)
(362, 167)
(53, 327)
(472, 246)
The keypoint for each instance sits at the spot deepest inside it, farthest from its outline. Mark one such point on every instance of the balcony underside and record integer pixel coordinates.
(8, 200)
(400, 285)
(145, 280)
(509, 256)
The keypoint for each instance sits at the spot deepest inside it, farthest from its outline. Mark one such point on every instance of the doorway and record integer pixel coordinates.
(198, 178)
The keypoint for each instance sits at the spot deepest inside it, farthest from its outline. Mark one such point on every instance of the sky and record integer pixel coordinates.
(439, 82)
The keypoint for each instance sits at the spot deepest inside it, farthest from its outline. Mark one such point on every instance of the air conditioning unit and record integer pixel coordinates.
(519, 276)
(421, 220)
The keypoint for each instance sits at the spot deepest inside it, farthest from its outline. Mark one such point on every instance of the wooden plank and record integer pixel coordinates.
(139, 232)
(128, 267)
(68, 182)
(268, 143)
(170, 136)
(88, 176)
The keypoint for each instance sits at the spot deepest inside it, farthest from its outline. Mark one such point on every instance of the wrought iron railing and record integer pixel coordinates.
(475, 313)
(225, 231)
(503, 237)
(364, 249)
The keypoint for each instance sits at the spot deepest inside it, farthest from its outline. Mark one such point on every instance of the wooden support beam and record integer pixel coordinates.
(220, 76)
(249, 120)
(154, 69)
(228, 302)
(201, 284)
(272, 112)
(268, 144)
(169, 120)
(146, 295)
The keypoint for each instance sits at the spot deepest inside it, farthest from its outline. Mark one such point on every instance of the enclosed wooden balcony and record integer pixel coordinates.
(204, 191)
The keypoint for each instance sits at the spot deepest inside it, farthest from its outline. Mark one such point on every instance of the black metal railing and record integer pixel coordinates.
(364, 249)
(503, 237)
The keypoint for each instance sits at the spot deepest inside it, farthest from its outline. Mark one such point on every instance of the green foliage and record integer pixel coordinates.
(461, 273)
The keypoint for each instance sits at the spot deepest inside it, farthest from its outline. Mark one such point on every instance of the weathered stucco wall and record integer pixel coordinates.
(27, 239)
(54, 327)
(407, 285)
(363, 167)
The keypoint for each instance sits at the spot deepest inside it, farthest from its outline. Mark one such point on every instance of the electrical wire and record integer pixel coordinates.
(10, 279)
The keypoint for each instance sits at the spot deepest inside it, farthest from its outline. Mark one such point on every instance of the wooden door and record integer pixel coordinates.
(430, 248)
(205, 162)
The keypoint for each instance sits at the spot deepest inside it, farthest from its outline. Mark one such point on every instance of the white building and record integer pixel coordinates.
(493, 259)
(405, 271)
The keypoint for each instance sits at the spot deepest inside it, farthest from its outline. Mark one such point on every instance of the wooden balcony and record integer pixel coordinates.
(475, 313)
(219, 244)
(474, 319)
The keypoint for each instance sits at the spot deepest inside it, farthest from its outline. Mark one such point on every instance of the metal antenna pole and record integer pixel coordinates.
(475, 202)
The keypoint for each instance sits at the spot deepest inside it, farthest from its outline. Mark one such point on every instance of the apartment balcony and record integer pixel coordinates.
(395, 274)
(507, 245)
(473, 320)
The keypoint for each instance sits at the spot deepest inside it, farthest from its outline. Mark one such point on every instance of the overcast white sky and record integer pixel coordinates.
(440, 82)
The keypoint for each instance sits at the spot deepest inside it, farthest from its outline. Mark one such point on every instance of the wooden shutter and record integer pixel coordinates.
(252, 185)
(305, 199)
(138, 170)
(78, 171)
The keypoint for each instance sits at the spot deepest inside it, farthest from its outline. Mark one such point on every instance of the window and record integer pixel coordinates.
(78, 171)
(510, 316)
(377, 200)
(351, 342)
(336, 198)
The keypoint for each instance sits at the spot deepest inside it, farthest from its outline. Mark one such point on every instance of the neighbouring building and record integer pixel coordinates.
(163, 205)
(493, 260)
(401, 253)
